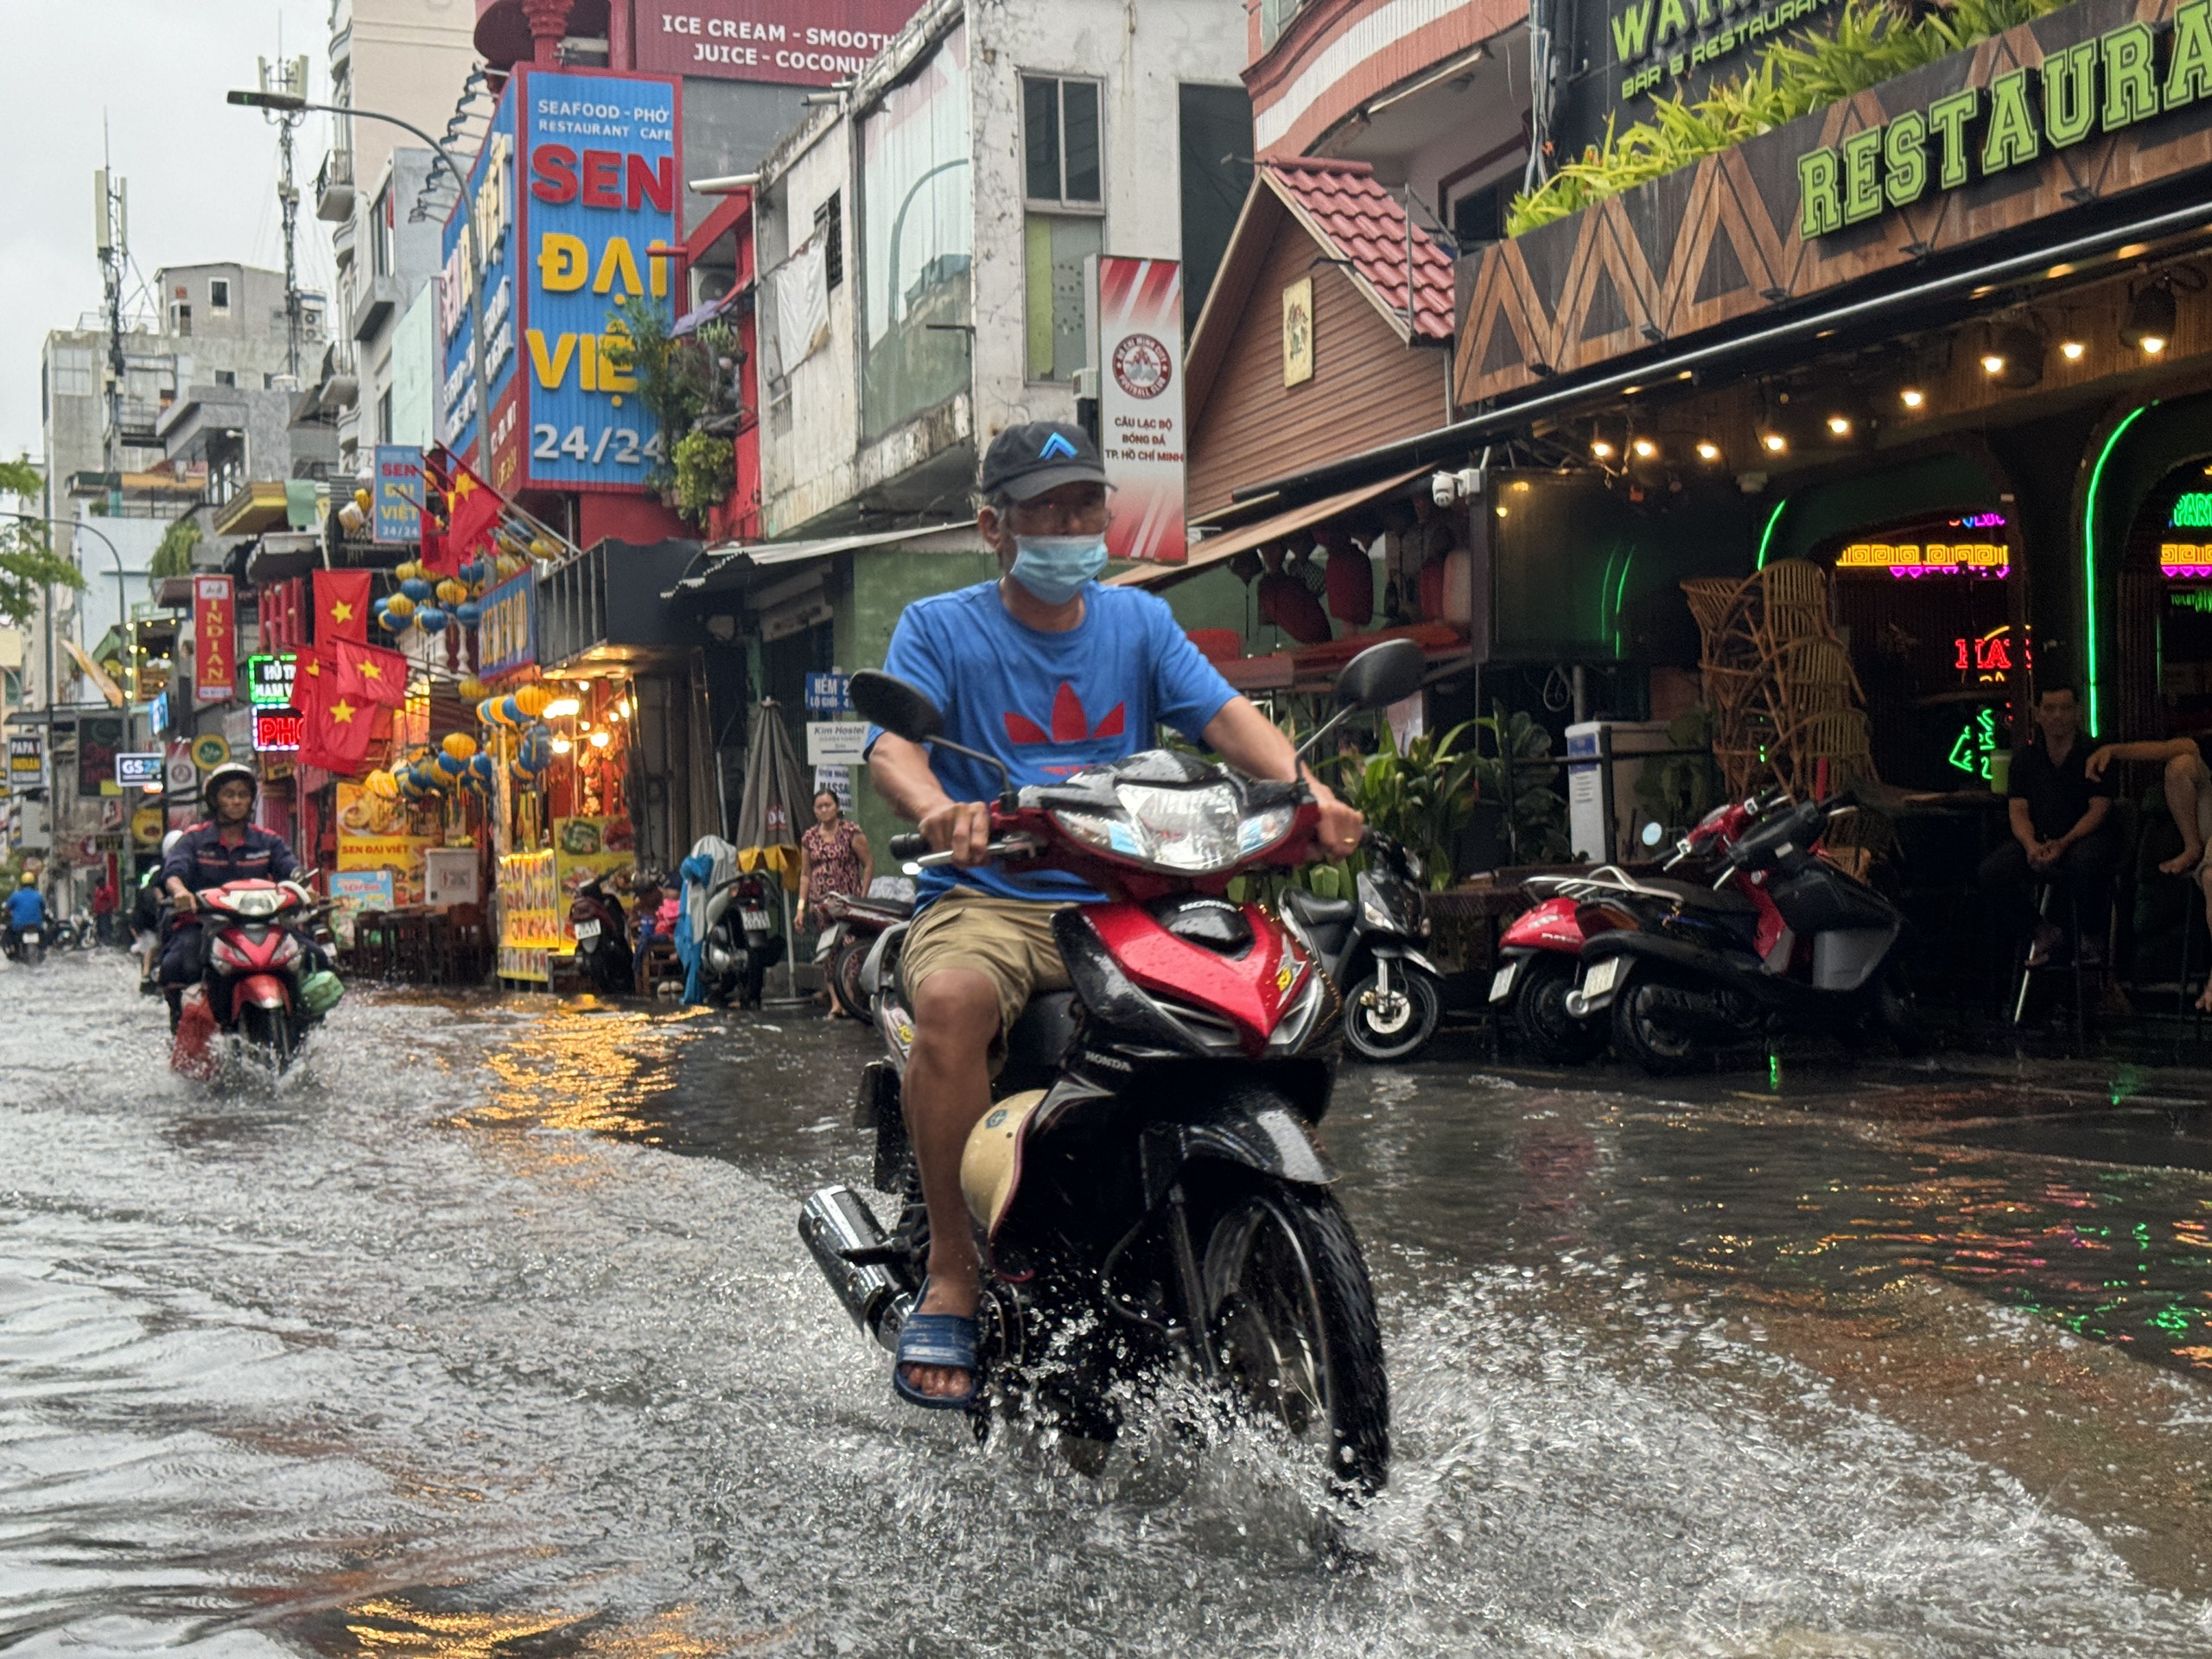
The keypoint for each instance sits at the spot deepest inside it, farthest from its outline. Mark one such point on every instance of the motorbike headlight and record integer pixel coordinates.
(1193, 829)
(1263, 829)
(1109, 835)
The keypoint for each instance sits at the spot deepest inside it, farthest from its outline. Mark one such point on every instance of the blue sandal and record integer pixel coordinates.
(946, 1339)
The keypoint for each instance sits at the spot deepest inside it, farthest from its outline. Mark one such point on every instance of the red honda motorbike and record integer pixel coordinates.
(256, 989)
(1541, 951)
(856, 922)
(1147, 1186)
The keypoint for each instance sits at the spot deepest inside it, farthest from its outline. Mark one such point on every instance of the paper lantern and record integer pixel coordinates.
(1285, 602)
(361, 499)
(407, 570)
(534, 699)
(473, 690)
(450, 764)
(487, 712)
(431, 620)
(480, 768)
(459, 744)
(1350, 577)
(399, 605)
(468, 613)
(382, 785)
(451, 592)
(511, 712)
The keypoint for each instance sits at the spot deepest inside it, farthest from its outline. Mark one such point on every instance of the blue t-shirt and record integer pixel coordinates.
(26, 908)
(1047, 704)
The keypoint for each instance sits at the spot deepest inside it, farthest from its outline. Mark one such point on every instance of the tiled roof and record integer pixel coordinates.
(1366, 224)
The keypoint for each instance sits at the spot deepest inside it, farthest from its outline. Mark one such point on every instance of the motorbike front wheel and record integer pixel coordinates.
(1394, 1028)
(1548, 1032)
(1293, 1323)
(845, 965)
(1646, 1030)
(268, 1034)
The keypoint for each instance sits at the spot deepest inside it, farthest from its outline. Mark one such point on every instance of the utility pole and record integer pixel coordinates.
(288, 79)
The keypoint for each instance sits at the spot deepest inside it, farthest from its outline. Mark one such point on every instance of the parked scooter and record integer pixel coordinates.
(1370, 946)
(1541, 951)
(603, 953)
(1147, 1186)
(1783, 940)
(856, 922)
(742, 943)
(264, 982)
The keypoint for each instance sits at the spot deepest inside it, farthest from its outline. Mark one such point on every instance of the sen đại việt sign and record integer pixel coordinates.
(2097, 86)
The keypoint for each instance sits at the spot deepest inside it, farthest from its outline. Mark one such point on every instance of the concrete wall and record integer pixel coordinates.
(729, 127)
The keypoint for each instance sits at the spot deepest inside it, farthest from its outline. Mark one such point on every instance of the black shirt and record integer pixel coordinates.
(2057, 794)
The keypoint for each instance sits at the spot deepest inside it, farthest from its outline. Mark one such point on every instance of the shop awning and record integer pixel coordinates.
(1215, 549)
(735, 565)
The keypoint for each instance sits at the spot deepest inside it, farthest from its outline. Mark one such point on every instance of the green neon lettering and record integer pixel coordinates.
(1632, 31)
(1820, 207)
(2070, 94)
(1948, 117)
(2190, 76)
(2012, 136)
(2130, 93)
(1862, 183)
(1905, 159)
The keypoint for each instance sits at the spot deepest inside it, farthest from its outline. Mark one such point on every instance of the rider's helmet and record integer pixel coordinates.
(224, 774)
(171, 839)
(27, 879)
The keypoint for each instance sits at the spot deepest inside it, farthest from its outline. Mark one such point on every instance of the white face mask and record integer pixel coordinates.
(1056, 567)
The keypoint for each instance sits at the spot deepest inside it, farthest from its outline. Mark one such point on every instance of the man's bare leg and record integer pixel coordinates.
(2186, 780)
(948, 1090)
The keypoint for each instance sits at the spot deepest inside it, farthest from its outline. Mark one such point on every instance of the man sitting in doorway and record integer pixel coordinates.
(2061, 836)
(2189, 798)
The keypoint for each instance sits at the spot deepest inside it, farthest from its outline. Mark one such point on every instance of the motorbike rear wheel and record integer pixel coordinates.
(1548, 1032)
(845, 967)
(1644, 1032)
(1291, 1317)
(1399, 1029)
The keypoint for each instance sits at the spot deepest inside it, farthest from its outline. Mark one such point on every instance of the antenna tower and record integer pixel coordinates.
(111, 241)
(287, 75)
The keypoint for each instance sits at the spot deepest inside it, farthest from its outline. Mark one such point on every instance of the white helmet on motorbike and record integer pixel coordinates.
(229, 771)
(171, 839)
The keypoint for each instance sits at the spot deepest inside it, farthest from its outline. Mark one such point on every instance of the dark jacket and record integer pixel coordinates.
(201, 861)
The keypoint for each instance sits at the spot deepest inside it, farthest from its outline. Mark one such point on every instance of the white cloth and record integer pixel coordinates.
(800, 287)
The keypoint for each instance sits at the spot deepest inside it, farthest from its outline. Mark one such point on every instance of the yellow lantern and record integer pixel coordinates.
(473, 690)
(399, 605)
(451, 592)
(382, 785)
(460, 744)
(533, 700)
(407, 570)
(361, 499)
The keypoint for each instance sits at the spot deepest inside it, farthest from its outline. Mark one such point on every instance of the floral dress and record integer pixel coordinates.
(833, 860)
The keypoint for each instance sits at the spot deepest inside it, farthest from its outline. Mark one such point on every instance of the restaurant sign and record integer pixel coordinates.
(2099, 85)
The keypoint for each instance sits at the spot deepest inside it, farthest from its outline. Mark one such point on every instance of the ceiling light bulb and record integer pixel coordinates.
(598, 740)
(1840, 425)
(562, 745)
(1912, 396)
(1775, 443)
(1500, 510)
(1644, 448)
(2153, 344)
(1707, 450)
(1600, 448)
(2071, 350)
(1993, 363)
(561, 707)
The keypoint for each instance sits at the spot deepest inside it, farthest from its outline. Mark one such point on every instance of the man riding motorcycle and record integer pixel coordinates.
(225, 848)
(26, 907)
(1048, 672)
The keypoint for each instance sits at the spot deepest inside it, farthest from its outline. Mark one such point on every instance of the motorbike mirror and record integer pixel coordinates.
(901, 709)
(1382, 675)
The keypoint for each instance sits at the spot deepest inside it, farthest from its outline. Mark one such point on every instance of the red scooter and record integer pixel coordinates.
(1148, 1185)
(262, 982)
(1540, 951)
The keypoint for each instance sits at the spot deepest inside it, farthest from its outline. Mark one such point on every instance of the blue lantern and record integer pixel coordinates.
(480, 768)
(387, 621)
(417, 589)
(430, 619)
(452, 765)
(467, 613)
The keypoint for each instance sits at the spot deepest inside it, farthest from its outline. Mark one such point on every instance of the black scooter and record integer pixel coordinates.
(1781, 941)
(1370, 946)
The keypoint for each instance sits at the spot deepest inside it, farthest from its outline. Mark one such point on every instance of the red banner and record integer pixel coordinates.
(215, 637)
(811, 43)
(1140, 406)
(341, 605)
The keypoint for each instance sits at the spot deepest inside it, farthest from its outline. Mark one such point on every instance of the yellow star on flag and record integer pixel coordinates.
(341, 611)
(463, 486)
(368, 670)
(342, 712)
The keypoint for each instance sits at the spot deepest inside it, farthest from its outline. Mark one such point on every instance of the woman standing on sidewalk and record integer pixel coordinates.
(833, 858)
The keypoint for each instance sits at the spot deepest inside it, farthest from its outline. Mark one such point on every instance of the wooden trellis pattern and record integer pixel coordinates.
(1718, 241)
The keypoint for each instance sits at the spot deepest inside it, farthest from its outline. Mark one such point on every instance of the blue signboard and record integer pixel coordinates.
(507, 633)
(829, 694)
(603, 184)
(396, 508)
(489, 199)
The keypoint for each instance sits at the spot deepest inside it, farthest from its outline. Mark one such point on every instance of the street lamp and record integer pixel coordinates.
(287, 103)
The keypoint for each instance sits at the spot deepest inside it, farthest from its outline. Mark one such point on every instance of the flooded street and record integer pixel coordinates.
(491, 1333)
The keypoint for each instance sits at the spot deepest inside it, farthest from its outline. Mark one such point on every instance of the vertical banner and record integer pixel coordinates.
(214, 632)
(1140, 406)
(398, 506)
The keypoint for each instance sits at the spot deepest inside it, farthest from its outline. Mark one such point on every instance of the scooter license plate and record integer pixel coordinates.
(586, 931)
(756, 921)
(1502, 982)
(1602, 977)
(32, 936)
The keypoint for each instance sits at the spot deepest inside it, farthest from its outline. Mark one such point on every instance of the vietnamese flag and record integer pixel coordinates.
(367, 674)
(472, 512)
(341, 605)
(335, 733)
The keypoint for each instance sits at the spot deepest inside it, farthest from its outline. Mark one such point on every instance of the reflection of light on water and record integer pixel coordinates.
(392, 1625)
(581, 1069)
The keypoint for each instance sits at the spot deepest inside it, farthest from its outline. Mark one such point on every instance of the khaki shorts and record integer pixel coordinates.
(1009, 941)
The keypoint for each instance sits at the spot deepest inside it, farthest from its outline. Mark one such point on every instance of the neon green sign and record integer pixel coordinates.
(2192, 510)
(1975, 750)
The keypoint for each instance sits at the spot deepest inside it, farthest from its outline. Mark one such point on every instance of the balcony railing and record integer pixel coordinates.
(333, 187)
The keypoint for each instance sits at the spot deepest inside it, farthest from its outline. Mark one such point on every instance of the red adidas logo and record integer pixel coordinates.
(1071, 723)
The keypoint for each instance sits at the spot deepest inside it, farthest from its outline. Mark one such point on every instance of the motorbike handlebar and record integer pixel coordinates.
(1010, 847)
(908, 844)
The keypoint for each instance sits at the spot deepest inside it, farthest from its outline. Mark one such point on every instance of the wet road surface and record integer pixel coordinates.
(490, 1333)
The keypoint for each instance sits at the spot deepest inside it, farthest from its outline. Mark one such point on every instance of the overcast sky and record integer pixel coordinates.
(203, 176)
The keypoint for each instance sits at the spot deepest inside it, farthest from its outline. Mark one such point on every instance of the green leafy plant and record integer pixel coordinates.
(28, 564)
(1677, 790)
(682, 381)
(1869, 43)
(706, 471)
(174, 556)
(1520, 775)
(1421, 797)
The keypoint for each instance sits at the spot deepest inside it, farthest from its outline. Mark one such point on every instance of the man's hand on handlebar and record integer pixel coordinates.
(1341, 828)
(960, 827)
